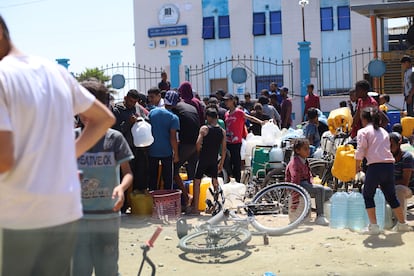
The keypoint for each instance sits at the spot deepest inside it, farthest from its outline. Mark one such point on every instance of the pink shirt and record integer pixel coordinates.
(374, 145)
(297, 170)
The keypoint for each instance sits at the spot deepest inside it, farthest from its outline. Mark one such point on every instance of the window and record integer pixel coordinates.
(326, 19)
(224, 26)
(275, 22)
(344, 19)
(259, 23)
(208, 27)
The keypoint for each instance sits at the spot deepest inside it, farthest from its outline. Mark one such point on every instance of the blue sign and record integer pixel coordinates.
(167, 31)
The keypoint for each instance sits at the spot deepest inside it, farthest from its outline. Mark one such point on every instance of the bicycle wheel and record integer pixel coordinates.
(322, 168)
(279, 208)
(216, 239)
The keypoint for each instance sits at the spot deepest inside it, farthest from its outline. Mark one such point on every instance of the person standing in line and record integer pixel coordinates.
(186, 94)
(40, 190)
(127, 113)
(102, 197)
(164, 84)
(269, 110)
(210, 137)
(363, 100)
(274, 90)
(154, 98)
(235, 124)
(374, 145)
(352, 101)
(164, 149)
(187, 138)
(286, 109)
(408, 87)
(311, 100)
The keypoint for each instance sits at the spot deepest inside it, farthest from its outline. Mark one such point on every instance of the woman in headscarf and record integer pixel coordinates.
(186, 93)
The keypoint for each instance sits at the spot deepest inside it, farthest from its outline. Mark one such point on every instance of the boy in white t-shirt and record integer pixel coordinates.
(40, 191)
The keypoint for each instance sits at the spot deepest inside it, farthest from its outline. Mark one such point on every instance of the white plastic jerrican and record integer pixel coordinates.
(276, 157)
(142, 134)
(234, 193)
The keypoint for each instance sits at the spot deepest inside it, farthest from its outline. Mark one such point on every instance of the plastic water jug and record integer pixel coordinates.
(276, 158)
(344, 166)
(234, 193)
(141, 133)
(407, 124)
(357, 218)
(327, 209)
(380, 208)
(340, 118)
(339, 210)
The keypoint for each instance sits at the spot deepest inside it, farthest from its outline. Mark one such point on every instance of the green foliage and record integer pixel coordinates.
(93, 73)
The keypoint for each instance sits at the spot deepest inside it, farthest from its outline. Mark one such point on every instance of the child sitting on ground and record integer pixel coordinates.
(210, 137)
(298, 172)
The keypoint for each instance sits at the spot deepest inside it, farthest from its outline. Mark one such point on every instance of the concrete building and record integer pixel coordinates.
(259, 36)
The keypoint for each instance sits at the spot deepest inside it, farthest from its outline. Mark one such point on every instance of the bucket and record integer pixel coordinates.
(167, 204)
(204, 193)
(141, 204)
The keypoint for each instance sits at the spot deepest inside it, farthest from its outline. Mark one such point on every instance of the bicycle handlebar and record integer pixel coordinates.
(151, 241)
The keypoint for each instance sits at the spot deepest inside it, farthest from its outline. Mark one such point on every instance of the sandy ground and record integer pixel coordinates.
(308, 250)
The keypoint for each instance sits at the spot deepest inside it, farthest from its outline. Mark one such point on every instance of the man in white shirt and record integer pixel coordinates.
(408, 88)
(39, 184)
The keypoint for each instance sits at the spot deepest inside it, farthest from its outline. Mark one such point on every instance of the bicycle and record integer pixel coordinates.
(273, 211)
(145, 248)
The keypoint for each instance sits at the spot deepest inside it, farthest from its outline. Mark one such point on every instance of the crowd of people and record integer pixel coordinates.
(52, 225)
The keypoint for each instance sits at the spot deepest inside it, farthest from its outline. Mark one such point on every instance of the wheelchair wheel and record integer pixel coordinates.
(279, 208)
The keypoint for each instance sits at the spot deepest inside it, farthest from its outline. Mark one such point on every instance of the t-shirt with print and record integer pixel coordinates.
(162, 122)
(406, 162)
(101, 174)
(234, 126)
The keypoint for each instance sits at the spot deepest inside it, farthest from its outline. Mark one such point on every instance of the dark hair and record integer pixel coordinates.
(342, 104)
(263, 100)
(363, 84)
(212, 106)
(312, 113)
(258, 106)
(372, 116)
(212, 112)
(265, 92)
(3, 25)
(298, 143)
(386, 97)
(310, 85)
(98, 89)
(405, 58)
(154, 90)
(397, 127)
(396, 137)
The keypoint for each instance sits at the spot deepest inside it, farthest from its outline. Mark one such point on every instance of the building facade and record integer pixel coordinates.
(213, 37)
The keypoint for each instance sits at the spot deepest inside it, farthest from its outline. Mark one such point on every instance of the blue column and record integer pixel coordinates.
(304, 60)
(175, 62)
(64, 62)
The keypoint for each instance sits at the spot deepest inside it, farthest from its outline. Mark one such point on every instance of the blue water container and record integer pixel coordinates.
(357, 218)
(380, 208)
(339, 210)
(394, 117)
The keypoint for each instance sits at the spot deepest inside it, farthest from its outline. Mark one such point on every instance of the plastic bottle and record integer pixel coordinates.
(357, 218)
(380, 208)
(339, 210)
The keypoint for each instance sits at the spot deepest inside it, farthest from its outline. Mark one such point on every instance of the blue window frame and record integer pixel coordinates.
(208, 27)
(326, 19)
(259, 23)
(224, 26)
(275, 22)
(344, 18)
